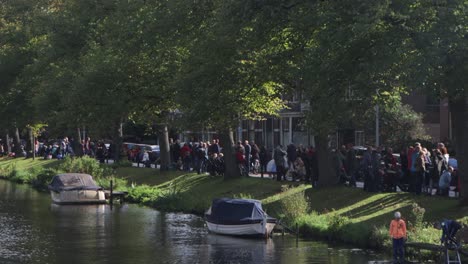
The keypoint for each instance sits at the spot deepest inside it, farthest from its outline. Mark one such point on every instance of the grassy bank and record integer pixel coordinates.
(338, 214)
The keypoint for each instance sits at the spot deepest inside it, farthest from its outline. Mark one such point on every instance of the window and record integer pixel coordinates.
(359, 138)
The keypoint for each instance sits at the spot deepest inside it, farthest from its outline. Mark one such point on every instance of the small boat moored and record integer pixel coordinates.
(239, 217)
(75, 188)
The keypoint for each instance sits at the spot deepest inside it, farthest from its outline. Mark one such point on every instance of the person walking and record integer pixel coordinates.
(398, 235)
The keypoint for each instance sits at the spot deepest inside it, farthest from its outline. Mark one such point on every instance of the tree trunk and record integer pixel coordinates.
(227, 141)
(327, 175)
(8, 144)
(32, 145)
(459, 113)
(117, 141)
(78, 149)
(17, 149)
(165, 153)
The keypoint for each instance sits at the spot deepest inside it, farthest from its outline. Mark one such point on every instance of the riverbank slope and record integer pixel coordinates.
(337, 213)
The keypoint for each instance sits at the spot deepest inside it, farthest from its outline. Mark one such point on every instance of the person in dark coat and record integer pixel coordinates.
(306, 156)
(292, 154)
(247, 154)
(214, 148)
(366, 164)
(377, 173)
(351, 164)
(264, 159)
(278, 156)
(314, 166)
(175, 152)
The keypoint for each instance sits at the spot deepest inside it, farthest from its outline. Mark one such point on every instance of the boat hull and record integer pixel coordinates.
(254, 229)
(78, 197)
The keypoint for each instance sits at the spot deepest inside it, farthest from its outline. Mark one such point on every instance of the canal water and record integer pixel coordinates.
(32, 230)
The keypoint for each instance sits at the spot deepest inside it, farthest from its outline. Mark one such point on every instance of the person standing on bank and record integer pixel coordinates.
(398, 235)
(278, 156)
(247, 153)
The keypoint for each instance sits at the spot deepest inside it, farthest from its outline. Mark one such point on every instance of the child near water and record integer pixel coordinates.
(398, 235)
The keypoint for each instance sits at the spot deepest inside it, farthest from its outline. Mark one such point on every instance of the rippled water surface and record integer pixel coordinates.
(32, 230)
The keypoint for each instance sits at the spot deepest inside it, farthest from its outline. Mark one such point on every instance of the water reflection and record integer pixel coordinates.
(35, 231)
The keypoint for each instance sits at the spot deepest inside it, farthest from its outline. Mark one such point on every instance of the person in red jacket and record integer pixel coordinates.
(185, 152)
(398, 235)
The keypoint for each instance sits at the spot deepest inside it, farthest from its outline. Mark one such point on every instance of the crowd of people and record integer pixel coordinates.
(202, 157)
(64, 147)
(415, 169)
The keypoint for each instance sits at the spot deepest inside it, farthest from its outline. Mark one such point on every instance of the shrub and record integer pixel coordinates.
(22, 176)
(294, 206)
(417, 214)
(336, 223)
(380, 238)
(86, 165)
(143, 194)
(8, 171)
(313, 224)
(118, 184)
(44, 177)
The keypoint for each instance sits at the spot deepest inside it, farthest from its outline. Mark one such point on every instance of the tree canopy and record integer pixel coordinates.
(96, 64)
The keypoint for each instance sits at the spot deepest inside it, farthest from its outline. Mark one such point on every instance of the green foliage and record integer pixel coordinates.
(44, 177)
(118, 183)
(417, 216)
(144, 194)
(125, 163)
(293, 206)
(336, 224)
(7, 171)
(243, 196)
(380, 237)
(86, 165)
(399, 124)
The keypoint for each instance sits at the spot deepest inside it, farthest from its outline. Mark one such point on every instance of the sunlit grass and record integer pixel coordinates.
(147, 176)
(24, 164)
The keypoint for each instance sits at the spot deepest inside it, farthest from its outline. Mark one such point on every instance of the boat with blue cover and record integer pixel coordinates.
(239, 217)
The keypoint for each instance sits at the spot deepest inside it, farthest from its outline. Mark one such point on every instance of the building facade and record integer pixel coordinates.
(290, 125)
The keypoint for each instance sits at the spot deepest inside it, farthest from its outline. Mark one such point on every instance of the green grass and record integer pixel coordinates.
(373, 208)
(25, 164)
(146, 175)
(193, 193)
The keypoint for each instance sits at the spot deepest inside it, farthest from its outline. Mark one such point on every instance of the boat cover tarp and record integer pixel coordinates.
(227, 211)
(73, 181)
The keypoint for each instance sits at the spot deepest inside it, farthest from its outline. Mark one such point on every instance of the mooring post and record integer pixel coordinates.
(111, 192)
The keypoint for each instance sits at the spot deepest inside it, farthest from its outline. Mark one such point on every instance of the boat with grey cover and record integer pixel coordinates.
(75, 188)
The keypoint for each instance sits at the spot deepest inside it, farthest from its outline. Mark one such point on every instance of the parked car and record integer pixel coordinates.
(134, 151)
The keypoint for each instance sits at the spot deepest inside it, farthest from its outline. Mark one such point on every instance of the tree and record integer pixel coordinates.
(399, 122)
(225, 77)
(353, 55)
(439, 33)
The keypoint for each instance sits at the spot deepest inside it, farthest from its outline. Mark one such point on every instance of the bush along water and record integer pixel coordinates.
(39, 177)
(333, 226)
